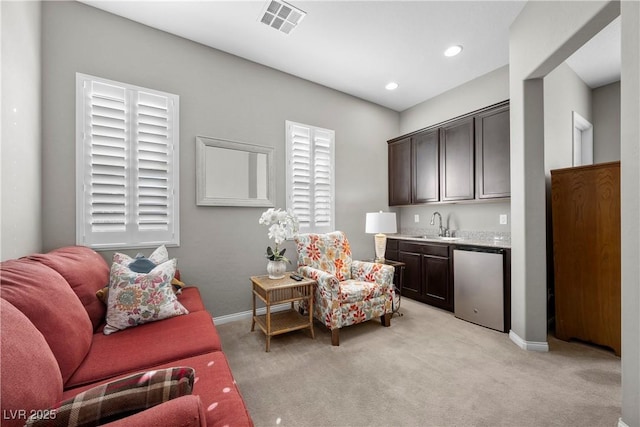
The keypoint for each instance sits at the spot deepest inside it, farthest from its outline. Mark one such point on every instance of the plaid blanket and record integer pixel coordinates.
(117, 399)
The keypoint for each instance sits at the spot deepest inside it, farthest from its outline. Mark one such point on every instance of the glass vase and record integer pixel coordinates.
(276, 269)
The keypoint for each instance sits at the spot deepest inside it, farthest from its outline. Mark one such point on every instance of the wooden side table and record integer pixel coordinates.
(398, 281)
(278, 291)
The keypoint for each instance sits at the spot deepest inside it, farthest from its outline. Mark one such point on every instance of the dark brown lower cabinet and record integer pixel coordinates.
(412, 274)
(436, 284)
(427, 276)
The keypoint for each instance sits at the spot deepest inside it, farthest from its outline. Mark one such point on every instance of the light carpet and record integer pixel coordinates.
(428, 369)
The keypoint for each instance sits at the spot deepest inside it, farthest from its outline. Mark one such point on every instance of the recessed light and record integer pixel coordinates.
(453, 50)
(391, 86)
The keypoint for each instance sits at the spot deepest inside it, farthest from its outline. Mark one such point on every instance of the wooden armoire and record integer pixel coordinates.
(585, 204)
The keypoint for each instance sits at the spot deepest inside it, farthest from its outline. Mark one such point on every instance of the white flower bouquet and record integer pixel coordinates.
(282, 225)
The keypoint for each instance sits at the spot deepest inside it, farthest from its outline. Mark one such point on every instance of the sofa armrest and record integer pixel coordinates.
(185, 411)
(374, 272)
(328, 284)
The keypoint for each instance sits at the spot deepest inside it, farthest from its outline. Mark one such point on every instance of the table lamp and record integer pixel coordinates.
(379, 223)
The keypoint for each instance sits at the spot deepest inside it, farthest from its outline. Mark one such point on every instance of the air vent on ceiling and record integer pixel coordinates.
(281, 15)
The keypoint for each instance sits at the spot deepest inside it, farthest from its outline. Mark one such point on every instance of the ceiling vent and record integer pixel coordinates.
(281, 15)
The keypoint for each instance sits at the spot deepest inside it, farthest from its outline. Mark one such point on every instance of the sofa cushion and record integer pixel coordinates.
(138, 298)
(214, 384)
(216, 387)
(31, 378)
(119, 398)
(136, 349)
(45, 297)
(190, 298)
(86, 271)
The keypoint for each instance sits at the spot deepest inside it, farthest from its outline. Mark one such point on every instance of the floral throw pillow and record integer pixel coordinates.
(137, 298)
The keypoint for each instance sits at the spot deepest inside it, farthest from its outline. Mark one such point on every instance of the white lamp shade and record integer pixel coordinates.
(381, 222)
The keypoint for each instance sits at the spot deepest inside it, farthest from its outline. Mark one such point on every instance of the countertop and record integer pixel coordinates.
(491, 243)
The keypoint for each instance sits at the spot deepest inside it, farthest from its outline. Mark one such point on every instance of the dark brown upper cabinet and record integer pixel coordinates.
(400, 172)
(457, 161)
(426, 172)
(493, 154)
(466, 158)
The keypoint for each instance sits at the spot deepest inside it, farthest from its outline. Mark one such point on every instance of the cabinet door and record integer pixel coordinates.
(456, 161)
(392, 250)
(426, 172)
(492, 154)
(400, 172)
(412, 275)
(437, 286)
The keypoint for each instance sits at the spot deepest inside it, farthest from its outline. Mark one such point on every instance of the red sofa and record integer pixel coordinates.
(53, 346)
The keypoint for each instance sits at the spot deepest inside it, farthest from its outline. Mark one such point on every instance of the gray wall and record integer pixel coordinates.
(564, 92)
(606, 123)
(20, 187)
(537, 45)
(630, 186)
(220, 96)
(482, 216)
(481, 92)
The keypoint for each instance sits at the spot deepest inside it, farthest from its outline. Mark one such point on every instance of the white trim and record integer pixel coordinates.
(582, 140)
(621, 423)
(528, 345)
(247, 315)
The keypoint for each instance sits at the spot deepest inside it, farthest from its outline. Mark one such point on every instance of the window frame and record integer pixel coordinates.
(312, 226)
(136, 232)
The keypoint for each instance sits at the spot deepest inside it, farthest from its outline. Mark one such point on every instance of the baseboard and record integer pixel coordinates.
(622, 423)
(246, 315)
(528, 345)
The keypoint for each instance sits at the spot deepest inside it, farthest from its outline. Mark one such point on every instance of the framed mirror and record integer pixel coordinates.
(230, 173)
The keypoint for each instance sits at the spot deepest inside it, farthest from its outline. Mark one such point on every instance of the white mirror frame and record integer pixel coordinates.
(202, 142)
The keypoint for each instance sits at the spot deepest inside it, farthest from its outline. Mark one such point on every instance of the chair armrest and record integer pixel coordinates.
(328, 284)
(374, 272)
(184, 411)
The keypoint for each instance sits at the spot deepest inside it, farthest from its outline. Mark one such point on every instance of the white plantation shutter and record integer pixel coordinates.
(127, 165)
(323, 179)
(310, 176)
(299, 168)
(153, 163)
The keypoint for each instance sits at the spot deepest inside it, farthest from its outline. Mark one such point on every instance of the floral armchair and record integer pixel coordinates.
(348, 292)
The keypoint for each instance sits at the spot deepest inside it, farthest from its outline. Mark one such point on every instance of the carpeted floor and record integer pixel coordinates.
(428, 369)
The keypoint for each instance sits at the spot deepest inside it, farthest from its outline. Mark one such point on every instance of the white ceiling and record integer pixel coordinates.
(356, 47)
(599, 61)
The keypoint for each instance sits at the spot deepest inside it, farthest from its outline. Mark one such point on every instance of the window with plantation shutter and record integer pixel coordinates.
(310, 176)
(126, 165)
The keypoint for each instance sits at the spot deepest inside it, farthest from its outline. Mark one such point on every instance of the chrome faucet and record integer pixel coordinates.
(443, 230)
